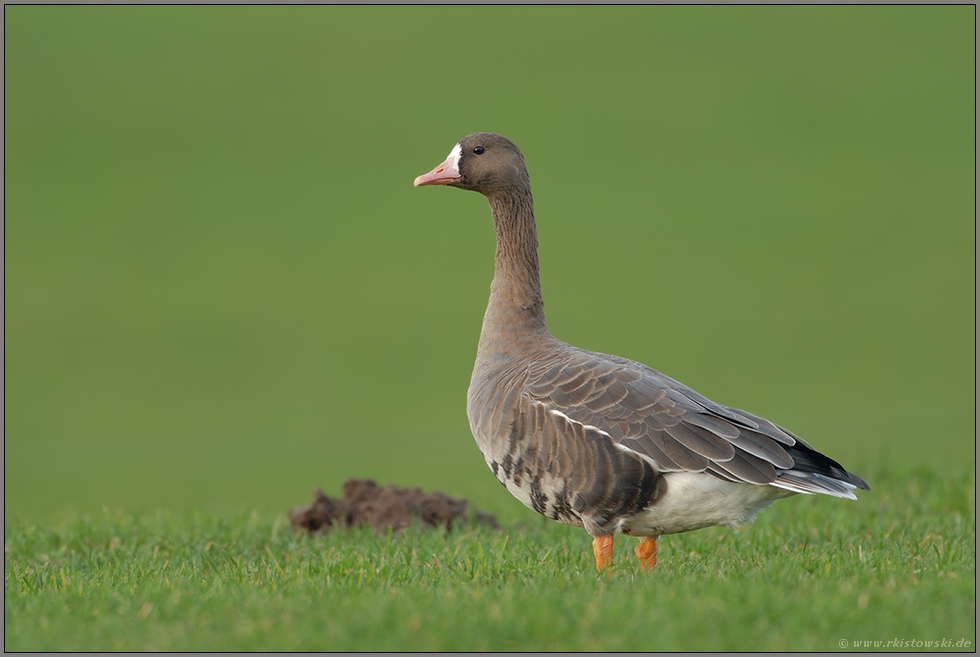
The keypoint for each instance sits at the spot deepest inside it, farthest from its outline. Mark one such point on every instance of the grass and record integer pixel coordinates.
(897, 565)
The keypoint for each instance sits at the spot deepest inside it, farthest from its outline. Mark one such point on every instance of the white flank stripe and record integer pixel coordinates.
(639, 455)
(560, 414)
(585, 426)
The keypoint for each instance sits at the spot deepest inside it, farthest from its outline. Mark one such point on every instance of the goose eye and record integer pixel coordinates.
(478, 150)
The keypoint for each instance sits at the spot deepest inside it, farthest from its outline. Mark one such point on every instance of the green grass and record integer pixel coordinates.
(898, 564)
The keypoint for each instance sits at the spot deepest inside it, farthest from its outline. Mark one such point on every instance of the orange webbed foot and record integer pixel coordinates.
(602, 547)
(646, 552)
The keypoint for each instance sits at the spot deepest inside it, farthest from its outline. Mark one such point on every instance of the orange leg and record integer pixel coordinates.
(602, 547)
(646, 552)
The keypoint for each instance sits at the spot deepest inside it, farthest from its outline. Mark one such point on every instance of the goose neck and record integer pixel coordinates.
(515, 294)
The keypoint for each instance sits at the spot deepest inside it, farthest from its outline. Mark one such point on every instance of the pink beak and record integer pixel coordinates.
(441, 175)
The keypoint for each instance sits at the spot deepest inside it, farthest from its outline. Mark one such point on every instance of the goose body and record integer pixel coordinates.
(599, 441)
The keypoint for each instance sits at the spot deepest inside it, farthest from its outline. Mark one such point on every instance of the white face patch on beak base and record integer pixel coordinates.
(441, 174)
(454, 155)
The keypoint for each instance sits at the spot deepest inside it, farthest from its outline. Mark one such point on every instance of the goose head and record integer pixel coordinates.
(482, 162)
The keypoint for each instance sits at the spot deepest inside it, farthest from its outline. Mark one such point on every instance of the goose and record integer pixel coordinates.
(599, 441)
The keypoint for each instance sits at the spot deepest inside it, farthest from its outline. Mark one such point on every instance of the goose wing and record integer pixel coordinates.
(677, 428)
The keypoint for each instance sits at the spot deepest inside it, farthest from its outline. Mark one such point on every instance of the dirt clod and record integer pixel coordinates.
(366, 503)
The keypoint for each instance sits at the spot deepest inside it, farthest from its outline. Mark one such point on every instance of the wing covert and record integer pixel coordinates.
(660, 418)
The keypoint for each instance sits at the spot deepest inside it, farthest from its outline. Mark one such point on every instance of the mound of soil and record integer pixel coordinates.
(365, 503)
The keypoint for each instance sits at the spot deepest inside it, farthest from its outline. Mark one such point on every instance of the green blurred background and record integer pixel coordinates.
(222, 290)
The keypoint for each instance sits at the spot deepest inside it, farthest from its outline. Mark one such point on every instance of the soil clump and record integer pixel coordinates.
(366, 503)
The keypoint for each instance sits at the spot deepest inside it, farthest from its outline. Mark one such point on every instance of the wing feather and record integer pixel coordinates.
(748, 468)
(678, 428)
(702, 442)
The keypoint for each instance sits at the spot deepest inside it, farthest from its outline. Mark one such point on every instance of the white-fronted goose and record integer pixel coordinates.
(600, 441)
